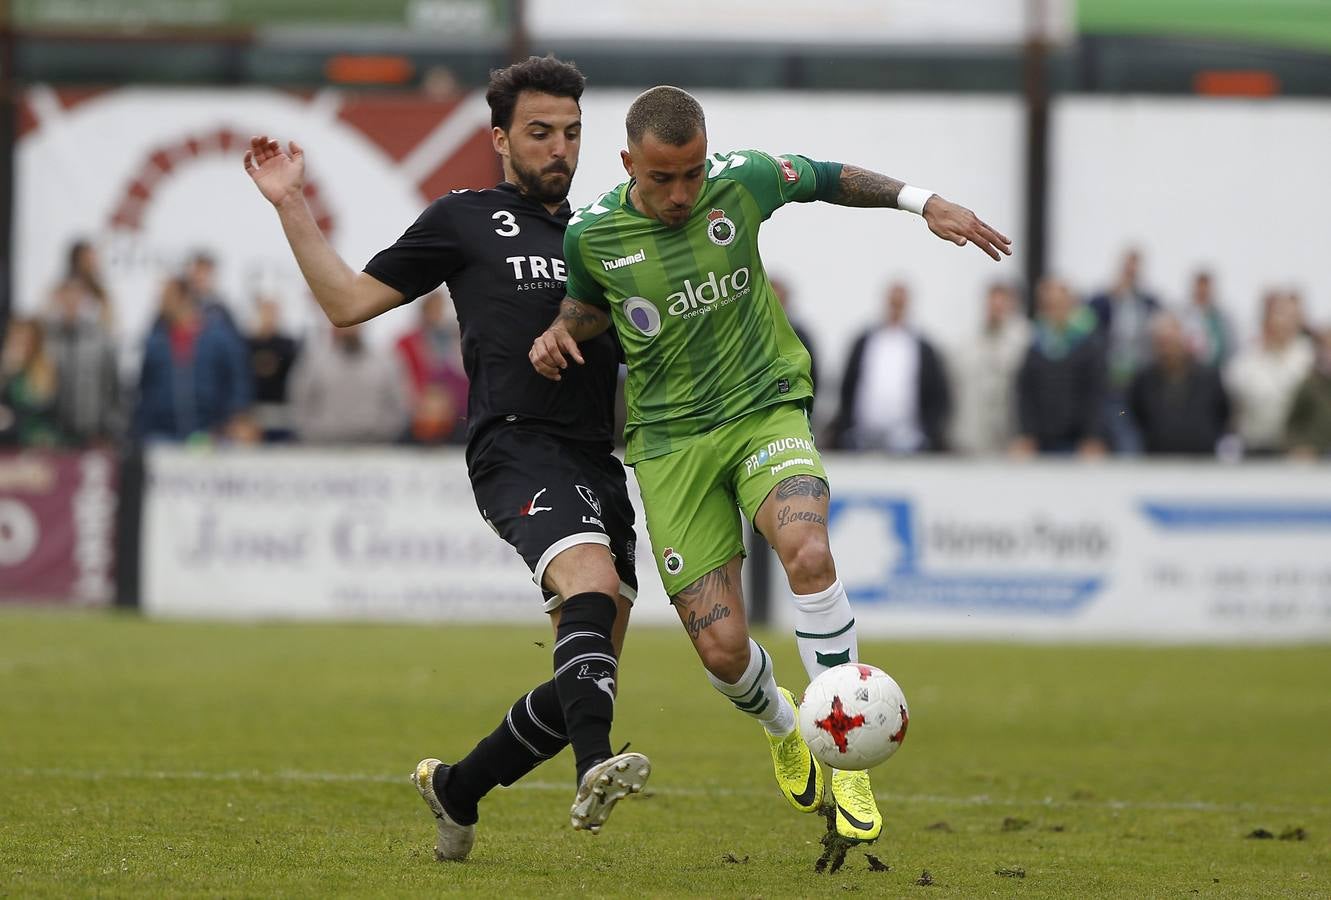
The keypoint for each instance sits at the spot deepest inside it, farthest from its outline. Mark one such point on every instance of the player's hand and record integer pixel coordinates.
(959, 225)
(279, 176)
(550, 352)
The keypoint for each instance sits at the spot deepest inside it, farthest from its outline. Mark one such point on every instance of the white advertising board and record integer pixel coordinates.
(1044, 551)
(1049, 551)
(291, 533)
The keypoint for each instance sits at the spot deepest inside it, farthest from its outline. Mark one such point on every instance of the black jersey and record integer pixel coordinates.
(502, 256)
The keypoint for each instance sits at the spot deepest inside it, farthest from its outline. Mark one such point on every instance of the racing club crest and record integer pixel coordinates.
(720, 230)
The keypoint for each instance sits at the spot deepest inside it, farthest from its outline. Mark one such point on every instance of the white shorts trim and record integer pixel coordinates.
(625, 591)
(558, 547)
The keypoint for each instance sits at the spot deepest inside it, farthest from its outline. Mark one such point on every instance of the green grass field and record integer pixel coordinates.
(173, 759)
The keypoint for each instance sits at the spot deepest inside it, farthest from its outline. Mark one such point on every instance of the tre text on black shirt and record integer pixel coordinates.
(502, 256)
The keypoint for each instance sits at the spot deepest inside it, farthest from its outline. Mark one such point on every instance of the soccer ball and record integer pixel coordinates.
(853, 716)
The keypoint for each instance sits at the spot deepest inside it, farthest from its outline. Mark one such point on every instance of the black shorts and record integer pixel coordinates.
(544, 494)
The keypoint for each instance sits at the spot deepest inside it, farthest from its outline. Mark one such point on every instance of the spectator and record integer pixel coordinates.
(195, 382)
(782, 291)
(894, 394)
(1061, 384)
(84, 273)
(1122, 313)
(1309, 426)
(201, 276)
(88, 403)
(1206, 326)
(440, 84)
(29, 385)
(431, 353)
(343, 391)
(272, 353)
(986, 373)
(1178, 403)
(1263, 378)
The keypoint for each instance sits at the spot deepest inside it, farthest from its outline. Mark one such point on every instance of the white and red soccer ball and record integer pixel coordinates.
(853, 716)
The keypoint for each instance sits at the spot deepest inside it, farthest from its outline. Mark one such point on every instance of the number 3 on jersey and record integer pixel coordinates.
(509, 225)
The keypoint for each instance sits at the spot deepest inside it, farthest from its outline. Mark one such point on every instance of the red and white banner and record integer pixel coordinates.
(57, 527)
(151, 175)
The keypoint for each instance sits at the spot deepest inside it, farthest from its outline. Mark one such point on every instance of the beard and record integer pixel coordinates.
(549, 185)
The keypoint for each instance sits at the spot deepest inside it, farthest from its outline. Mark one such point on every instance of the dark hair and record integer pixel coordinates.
(542, 74)
(76, 249)
(667, 112)
(88, 280)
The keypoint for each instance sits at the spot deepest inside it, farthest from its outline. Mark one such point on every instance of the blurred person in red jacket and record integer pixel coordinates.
(195, 380)
(432, 356)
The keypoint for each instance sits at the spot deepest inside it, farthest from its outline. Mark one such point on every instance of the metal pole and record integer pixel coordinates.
(519, 42)
(8, 134)
(1036, 84)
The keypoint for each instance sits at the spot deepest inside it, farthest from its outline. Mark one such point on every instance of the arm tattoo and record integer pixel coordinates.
(582, 320)
(801, 486)
(860, 187)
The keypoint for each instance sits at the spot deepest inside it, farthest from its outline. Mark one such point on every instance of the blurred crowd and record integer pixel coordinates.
(207, 376)
(1117, 372)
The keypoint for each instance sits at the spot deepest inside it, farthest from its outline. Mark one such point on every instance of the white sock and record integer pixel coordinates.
(755, 693)
(825, 629)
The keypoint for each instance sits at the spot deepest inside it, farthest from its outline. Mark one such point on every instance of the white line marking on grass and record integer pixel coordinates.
(292, 776)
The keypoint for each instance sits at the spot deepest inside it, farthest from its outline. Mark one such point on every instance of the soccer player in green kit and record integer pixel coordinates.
(718, 391)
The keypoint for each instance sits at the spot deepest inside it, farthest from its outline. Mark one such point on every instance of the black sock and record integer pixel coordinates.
(585, 672)
(531, 733)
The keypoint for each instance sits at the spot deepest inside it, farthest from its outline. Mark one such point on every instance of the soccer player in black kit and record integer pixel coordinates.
(538, 452)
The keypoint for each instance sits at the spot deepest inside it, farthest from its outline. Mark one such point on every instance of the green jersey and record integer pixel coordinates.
(703, 333)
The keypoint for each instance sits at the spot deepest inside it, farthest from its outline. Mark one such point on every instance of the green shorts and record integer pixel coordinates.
(692, 496)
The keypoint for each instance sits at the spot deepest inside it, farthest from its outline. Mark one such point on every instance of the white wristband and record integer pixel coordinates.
(912, 199)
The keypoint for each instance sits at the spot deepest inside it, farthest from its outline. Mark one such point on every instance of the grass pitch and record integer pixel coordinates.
(174, 759)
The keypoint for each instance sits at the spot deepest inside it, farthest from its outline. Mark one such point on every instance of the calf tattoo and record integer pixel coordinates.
(696, 623)
(717, 580)
(786, 516)
(801, 486)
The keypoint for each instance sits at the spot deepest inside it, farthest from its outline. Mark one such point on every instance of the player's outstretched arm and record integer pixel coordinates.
(950, 221)
(347, 297)
(577, 321)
